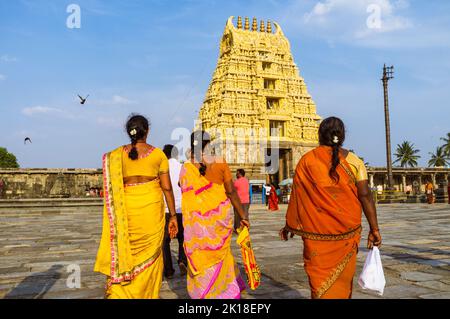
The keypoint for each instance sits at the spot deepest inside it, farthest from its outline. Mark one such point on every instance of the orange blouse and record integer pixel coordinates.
(151, 164)
(218, 171)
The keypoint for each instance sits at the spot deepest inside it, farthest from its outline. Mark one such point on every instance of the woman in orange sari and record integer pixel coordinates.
(429, 190)
(330, 188)
(273, 198)
(208, 218)
(135, 178)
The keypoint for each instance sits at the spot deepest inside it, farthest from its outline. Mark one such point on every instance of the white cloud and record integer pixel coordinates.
(319, 12)
(30, 111)
(369, 23)
(35, 110)
(8, 59)
(2, 77)
(109, 122)
(115, 100)
(176, 120)
(330, 13)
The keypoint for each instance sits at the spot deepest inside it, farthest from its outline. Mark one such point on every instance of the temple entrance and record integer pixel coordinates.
(284, 169)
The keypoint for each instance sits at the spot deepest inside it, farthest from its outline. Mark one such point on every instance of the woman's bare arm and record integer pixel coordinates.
(366, 199)
(166, 187)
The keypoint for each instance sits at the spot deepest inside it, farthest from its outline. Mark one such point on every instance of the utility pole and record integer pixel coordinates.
(387, 75)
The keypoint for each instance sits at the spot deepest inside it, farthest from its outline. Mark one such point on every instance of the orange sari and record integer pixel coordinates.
(273, 199)
(429, 191)
(328, 217)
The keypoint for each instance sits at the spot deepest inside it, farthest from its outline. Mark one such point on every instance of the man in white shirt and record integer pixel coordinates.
(174, 171)
(266, 189)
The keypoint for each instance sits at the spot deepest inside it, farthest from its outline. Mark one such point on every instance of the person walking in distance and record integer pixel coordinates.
(266, 189)
(429, 190)
(243, 189)
(171, 153)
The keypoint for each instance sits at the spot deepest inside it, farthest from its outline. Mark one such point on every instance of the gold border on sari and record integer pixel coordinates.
(329, 237)
(334, 275)
(349, 172)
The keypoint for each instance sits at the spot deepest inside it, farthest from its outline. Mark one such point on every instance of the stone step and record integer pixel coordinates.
(50, 202)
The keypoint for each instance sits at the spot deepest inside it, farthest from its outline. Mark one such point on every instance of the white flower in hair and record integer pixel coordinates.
(335, 139)
(133, 132)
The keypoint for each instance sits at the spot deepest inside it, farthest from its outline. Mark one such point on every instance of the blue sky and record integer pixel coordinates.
(157, 58)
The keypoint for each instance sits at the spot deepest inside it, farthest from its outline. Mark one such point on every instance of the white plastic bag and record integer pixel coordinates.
(372, 275)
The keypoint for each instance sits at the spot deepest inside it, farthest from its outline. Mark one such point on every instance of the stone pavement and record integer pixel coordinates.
(39, 245)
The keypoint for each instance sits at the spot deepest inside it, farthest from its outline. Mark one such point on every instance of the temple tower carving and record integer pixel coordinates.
(256, 87)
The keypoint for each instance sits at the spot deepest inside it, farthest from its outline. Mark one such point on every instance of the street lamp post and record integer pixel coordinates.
(387, 75)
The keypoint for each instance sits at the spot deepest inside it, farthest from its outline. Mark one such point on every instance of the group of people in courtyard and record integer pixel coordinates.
(151, 198)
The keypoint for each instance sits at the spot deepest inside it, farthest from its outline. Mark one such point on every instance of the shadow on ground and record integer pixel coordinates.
(406, 256)
(36, 285)
(271, 288)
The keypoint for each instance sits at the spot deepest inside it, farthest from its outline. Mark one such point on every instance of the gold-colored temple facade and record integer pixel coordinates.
(256, 86)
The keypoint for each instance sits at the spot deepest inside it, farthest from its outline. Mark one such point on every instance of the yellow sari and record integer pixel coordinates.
(133, 229)
(208, 228)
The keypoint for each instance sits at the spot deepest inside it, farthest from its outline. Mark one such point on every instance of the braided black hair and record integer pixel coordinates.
(199, 140)
(137, 128)
(332, 133)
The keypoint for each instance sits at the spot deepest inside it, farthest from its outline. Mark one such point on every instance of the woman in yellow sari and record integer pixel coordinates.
(330, 188)
(135, 178)
(207, 199)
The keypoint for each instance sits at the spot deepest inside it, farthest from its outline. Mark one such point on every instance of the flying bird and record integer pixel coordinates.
(83, 100)
(26, 139)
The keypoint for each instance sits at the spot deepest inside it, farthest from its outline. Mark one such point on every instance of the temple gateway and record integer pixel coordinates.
(257, 107)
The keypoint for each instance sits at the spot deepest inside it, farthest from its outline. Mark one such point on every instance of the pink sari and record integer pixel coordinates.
(208, 228)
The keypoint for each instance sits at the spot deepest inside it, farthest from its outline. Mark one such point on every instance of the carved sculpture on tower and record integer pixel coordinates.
(256, 87)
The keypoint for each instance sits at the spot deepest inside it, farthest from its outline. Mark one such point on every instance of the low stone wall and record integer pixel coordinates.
(48, 183)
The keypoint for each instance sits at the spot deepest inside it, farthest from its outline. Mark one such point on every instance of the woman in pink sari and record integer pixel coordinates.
(207, 201)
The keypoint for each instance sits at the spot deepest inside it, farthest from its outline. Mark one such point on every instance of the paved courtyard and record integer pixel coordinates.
(39, 246)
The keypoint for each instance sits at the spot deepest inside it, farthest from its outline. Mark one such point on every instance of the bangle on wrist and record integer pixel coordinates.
(374, 229)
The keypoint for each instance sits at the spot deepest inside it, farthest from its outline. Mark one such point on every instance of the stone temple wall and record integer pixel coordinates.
(35, 183)
(48, 183)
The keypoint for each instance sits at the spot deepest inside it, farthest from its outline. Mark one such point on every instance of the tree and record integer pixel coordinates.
(438, 159)
(7, 160)
(406, 154)
(446, 145)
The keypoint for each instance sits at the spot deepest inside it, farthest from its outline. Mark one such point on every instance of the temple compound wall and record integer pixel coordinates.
(77, 183)
(48, 183)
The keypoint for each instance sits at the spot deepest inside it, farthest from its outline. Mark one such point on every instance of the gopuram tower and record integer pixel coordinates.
(257, 106)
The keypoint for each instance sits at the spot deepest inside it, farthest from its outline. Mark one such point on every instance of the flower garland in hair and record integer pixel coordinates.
(335, 139)
(133, 132)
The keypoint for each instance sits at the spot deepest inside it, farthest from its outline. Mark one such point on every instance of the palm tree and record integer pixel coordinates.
(405, 154)
(446, 145)
(438, 159)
